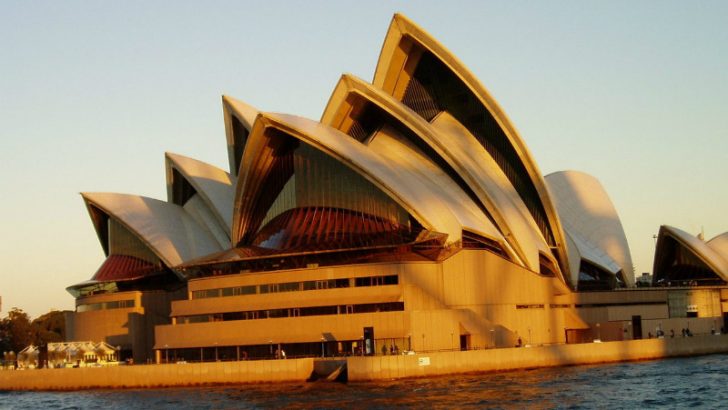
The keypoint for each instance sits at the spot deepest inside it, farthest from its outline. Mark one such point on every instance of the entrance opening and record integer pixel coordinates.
(637, 327)
(464, 342)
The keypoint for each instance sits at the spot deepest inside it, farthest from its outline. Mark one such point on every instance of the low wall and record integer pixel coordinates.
(441, 363)
(359, 368)
(160, 375)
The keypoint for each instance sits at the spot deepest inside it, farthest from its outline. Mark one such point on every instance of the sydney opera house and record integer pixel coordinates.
(411, 216)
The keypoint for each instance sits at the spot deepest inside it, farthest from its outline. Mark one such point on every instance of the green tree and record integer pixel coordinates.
(17, 331)
(50, 327)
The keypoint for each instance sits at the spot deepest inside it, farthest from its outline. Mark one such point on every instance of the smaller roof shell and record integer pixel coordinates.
(215, 186)
(165, 228)
(707, 254)
(720, 245)
(589, 216)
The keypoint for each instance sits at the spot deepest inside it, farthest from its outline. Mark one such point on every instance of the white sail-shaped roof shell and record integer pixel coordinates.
(590, 218)
(170, 232)
(402, 185)
(468, 158)
(711, 255)
(720, 245)
(389, 145)
(392, 146)
(393, 73)
(215, 187)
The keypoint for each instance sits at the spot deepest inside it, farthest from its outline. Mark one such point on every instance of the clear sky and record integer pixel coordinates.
(93, 93)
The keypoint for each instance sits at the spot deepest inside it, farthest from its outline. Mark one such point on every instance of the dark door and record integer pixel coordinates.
(725, 323)
(636, 327)
(369, 341)
(464, 342)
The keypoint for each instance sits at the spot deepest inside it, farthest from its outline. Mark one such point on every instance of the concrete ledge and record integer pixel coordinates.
(494, 360)
(360, 368)
(161, 375)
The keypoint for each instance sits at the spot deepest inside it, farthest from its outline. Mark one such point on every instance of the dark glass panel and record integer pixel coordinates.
(679, 266)
(592, 277)
(240, 137)
(182, 190)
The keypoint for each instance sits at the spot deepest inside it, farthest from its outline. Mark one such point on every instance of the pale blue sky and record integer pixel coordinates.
(93, 93)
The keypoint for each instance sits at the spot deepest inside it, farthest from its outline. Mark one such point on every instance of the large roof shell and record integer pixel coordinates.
(165, 228)
(589, 216)
(465, 156)
(403, 186)
(215, 186)
(392, 76)
(394, 147)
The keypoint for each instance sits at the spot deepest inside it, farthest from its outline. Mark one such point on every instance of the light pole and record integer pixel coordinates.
(166, 353)
(322, 347)
(599, 332)
(529, 335)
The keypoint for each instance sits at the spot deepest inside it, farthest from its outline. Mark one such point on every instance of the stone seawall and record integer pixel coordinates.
(359, 368)
(161, 375)
(442, 363)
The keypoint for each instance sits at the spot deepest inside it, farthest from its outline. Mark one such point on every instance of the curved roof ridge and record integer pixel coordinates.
(165, 228)
(392, 57)
(214, 185)
(402, 186)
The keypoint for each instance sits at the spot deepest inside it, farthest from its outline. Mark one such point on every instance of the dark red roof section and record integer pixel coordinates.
(123, 267)
(325, 228)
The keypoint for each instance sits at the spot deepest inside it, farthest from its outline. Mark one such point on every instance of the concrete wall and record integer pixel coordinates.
(129, 328)
(117, 327)
(360, 368)
(282, 330)
(189, 374)
(442, 363)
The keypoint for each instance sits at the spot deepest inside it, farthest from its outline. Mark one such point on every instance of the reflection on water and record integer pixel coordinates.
(674, 383)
